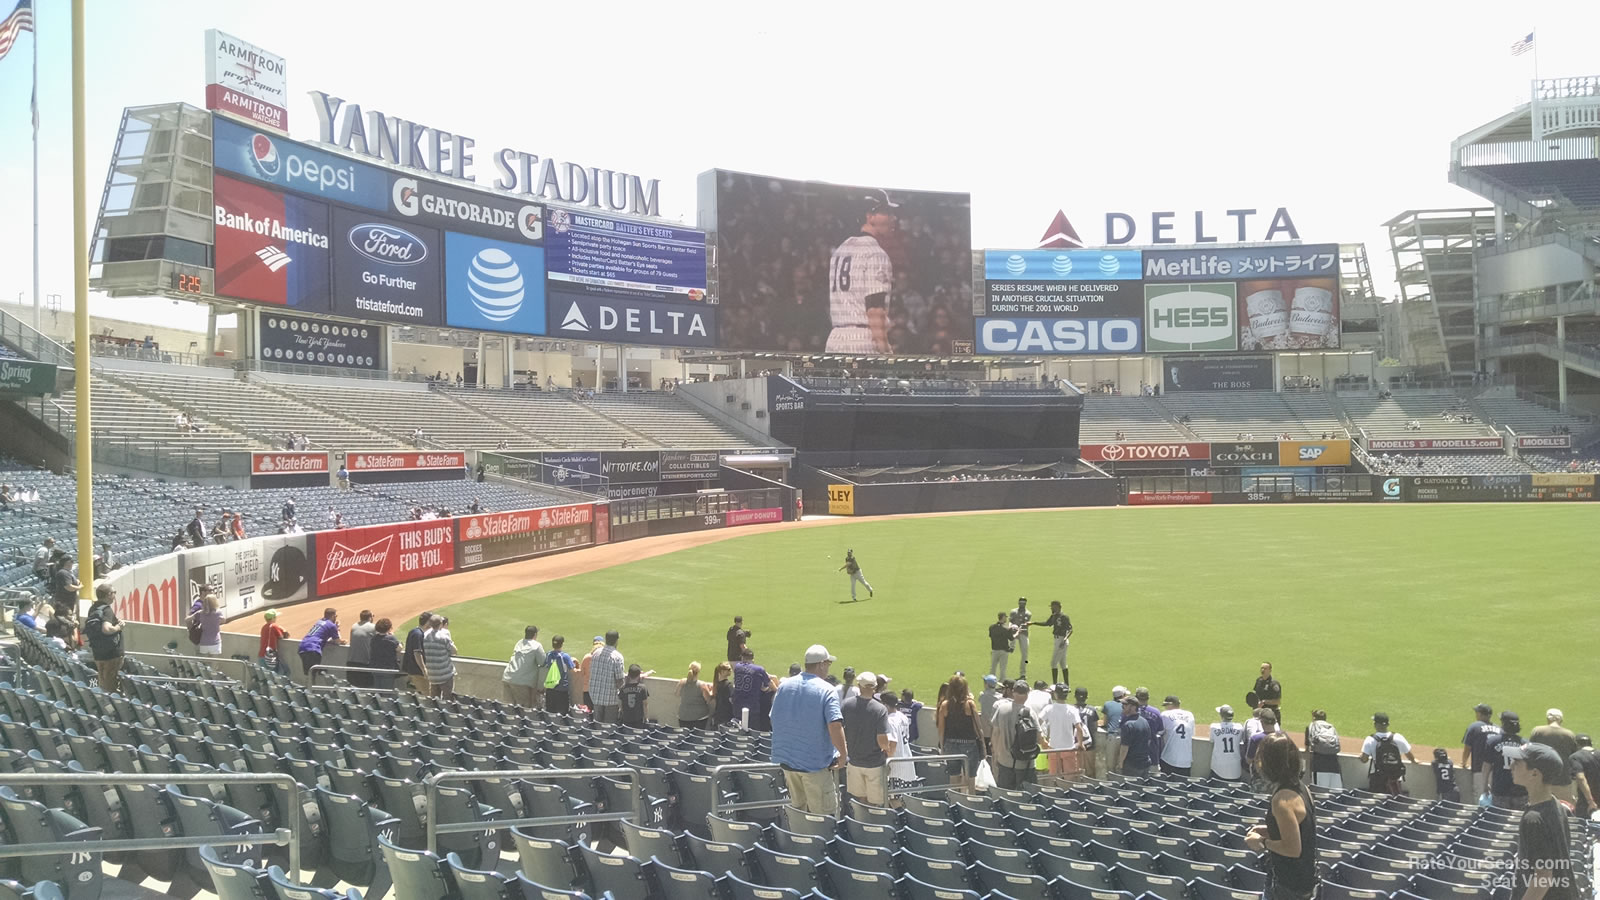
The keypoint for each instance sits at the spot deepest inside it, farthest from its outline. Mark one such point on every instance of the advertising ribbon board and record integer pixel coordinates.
(1472, 443)
(690, 465)
(1158, 452)
(250, 574)
(738, 517)
(498, 537)
(1544, 441)
(20, 376)
(841, 499)
(1314, 453)
(1173, 498)
(1244, 453)
(288, 462)
(389, 461)
(628, 466)
(354, 559)
(149, 591)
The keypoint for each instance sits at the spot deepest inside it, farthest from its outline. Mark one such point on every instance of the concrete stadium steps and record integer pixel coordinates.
(123, 414)
(667, 420)
(264, 416)
(1387, 418)
(1138, 418)
(551, 417)
(1225, 416)
(396, 412)
(1525, 417)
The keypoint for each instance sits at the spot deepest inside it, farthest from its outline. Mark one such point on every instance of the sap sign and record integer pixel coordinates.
(1186, 317)
(296, 167)
(493, 285)
(1058, 336)
(658, 322)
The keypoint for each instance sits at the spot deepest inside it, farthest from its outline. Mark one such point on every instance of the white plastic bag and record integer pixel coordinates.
(985, 778)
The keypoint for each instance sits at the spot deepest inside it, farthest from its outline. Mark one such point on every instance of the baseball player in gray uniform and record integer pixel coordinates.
(1020, 617)
(854, 568)
(860, 277)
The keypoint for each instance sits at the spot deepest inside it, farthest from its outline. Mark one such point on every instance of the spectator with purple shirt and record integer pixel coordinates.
(750, 681)
(1152, 717)
(323, 634)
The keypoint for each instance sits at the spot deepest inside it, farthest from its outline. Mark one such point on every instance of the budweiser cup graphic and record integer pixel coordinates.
(1311, 316)
(1268, 320)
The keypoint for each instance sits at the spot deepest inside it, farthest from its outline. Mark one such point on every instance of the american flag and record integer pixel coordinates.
(1522, 46)
(20, 20)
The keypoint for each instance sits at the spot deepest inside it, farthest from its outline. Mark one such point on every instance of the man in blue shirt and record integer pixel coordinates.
(808, 735)
(1472, 743)
(25, 617)
(1138, 742)
(1112, 714)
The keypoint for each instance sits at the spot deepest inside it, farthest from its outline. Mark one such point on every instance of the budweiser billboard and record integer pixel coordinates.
(1171, 498)
(1471, 443)
(498, 537)
(288, 463)
(753, 516)
(354, 559)
(1176, 452)
(391, 461)
(1544, 442)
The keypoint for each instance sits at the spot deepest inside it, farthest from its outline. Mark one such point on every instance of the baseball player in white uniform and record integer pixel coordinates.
(1021, 617)
(860, 276)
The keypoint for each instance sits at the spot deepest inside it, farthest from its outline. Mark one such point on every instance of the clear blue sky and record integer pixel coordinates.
(1343, 113)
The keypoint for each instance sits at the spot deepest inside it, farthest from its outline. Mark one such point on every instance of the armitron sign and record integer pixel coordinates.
(1176, 452)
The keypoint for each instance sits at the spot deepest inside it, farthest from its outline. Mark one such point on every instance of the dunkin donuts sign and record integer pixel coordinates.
(1173, 452)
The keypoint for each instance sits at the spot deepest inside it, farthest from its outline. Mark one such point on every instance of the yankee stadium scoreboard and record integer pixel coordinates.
(1538, 486)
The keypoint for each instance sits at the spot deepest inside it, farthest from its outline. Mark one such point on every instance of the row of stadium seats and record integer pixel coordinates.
(364, 819)
(1226, 415)
(1387, 418)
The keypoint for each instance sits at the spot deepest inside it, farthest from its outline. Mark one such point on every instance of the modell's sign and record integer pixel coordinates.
(1471, 443)
(288, 463)
(1544, 442)
(1161, 452)
(379, 462)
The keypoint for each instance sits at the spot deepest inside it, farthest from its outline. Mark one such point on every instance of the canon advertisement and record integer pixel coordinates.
(499, 537)
(814, 267)
(382, 270)
(341, 345)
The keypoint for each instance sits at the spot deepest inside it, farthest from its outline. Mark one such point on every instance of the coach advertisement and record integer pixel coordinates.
(1217, 373)
(1244, 453)
(500, 537)
(270, 247)
(149, 591)
(355, 559)
(624, 466)
(319, 342)
(251, 574)
(811, 267)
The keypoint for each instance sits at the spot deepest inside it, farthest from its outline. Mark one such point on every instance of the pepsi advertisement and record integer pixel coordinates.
(384, 270)
(606, 257)
(493, 285)
(295, 166)
(270, 247)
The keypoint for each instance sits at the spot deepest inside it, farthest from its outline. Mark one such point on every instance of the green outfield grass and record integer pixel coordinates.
(1420, 611)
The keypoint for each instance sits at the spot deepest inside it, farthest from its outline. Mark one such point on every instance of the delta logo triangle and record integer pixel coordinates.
(574, 320)
(1060, 235)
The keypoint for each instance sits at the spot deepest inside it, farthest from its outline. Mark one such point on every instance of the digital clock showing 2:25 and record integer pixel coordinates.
(187, 284)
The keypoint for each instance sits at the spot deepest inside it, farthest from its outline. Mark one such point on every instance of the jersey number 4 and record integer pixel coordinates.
(841, 273)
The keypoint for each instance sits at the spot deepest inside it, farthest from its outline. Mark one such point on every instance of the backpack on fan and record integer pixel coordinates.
(1324, 738)
(552, 678)
(194, 629)
(1386, 759)
(1025, 736)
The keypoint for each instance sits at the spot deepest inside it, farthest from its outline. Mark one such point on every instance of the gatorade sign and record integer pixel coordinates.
(841, 499)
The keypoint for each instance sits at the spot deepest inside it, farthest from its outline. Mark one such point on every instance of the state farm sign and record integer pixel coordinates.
(288, 463)
(355, 559)
(1473, 443)
(390, 461)
(1176, 452)
(495, 525)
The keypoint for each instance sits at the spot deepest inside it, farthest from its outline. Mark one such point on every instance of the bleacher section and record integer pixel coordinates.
(362, 760)
(125, 417)
(1387, 418)
(665, 420)
(547, 418)
(1544, 462)
(395, 411)
(1138, 418)
(1578, 180)
(1234, 415)
(1445, 464)
(1527, 418)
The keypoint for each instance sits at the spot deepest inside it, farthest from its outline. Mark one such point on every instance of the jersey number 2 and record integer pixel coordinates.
(841, 273)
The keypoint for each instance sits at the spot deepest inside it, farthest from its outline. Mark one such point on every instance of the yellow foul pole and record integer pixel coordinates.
(80, 307)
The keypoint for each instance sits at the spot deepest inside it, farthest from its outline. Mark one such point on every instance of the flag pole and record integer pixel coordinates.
(80, 311)
(35, 113)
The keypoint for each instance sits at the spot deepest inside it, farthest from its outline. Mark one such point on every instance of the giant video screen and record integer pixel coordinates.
(805, 266)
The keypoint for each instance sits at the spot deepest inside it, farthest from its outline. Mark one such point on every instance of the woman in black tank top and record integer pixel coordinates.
(1289, 835)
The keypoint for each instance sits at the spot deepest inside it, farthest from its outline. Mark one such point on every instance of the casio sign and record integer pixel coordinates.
(1058, 335)
(1310, 453)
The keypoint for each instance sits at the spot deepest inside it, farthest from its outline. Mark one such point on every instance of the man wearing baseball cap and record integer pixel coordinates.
(1503, 791)
(1585, 768)
(271, 634)
(869, 742)
(1110, 759)
(808, 735)
(1544, 837)
(1472, 758)
(1227, 746)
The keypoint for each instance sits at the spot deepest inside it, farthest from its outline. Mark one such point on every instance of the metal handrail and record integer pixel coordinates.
(431, 790)
(248, 669)
(347, 686)
(56, 779)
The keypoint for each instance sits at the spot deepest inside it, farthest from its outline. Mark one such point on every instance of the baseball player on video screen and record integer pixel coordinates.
(859, 279)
